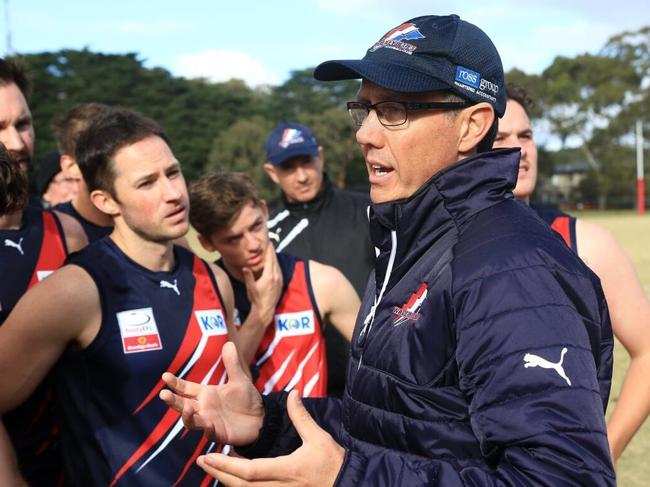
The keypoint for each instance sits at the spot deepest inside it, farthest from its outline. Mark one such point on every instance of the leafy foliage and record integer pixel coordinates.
(589, 101)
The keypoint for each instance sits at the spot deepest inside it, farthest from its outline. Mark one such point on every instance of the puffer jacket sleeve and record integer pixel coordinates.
(526, 366)
(279, 437)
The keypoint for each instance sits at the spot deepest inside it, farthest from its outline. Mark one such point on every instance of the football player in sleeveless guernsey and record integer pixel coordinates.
(287, 347)
(627, 301)
(33, 243)
(120, 313)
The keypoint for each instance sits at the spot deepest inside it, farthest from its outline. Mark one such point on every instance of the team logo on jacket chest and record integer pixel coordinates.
(138, 330)
(410, 311)
(212, 322)
(295, 324)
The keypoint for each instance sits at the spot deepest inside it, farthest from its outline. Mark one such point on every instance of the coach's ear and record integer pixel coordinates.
(105, 202)
(474, 123)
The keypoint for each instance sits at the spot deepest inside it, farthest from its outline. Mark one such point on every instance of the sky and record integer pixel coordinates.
(261, 42)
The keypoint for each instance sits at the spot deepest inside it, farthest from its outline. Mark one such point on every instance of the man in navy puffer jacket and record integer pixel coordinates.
(482, 354)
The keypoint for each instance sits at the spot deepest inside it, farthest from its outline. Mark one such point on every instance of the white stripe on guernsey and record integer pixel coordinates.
(195, 356)
(178, 427)
(211, 371)
(277, 219)
(268, 387)
(269, 351)
(298, 375)
(295, 231)
(310, 385)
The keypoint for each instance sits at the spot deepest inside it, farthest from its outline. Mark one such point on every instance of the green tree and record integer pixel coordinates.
(241, 148)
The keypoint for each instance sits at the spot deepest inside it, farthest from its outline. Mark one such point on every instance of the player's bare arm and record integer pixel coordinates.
(61, 311)
(75, 237)
(629, 310)
(336, 298)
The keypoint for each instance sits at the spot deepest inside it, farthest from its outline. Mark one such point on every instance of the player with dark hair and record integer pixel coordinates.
(120, 313)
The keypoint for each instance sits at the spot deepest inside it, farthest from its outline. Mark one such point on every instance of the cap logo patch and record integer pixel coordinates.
(395, 38)
(289, 137)
(469, 80)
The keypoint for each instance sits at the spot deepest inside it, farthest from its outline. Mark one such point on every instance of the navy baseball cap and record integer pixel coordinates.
(290, 140)
(430, 53)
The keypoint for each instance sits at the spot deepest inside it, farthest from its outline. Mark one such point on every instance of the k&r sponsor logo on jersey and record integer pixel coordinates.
(138, 330)
(295, 324)
(212, 322)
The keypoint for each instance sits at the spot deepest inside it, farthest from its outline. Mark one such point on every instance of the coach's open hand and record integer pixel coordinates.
(232, 413)
(316, 463)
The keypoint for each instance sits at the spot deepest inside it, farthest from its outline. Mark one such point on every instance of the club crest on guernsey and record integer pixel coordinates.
(169, 285)
(16, 245)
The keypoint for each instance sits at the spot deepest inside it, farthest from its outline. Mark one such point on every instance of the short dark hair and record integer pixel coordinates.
(13, 71)
(104, 137)
(13, 184)
(519, 94)
(68, 127)
(217, 198)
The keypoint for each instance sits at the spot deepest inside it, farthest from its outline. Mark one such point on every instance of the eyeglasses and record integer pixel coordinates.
(393, 113)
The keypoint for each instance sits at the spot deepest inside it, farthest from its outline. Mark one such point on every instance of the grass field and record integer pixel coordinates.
(633, 232)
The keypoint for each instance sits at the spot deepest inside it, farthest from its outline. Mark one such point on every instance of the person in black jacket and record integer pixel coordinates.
(320, 222)
(482, 354)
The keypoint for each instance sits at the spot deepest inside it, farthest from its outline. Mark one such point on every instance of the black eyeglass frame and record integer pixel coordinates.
(407, 105)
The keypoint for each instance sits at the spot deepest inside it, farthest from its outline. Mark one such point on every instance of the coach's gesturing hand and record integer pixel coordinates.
(316, 463)
(231, 413)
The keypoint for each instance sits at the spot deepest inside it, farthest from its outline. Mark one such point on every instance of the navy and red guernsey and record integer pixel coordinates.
(292, 353)
(115, 429)
(28, 255)
(562, 223)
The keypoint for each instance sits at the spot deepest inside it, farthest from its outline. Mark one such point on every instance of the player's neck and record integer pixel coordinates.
(11, 221)
(88, 211)
(155, 256)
